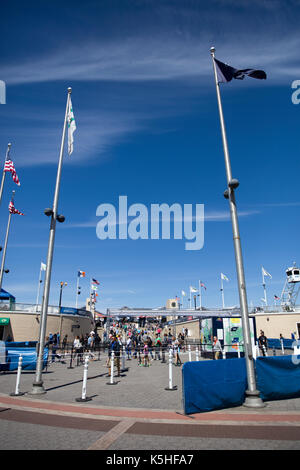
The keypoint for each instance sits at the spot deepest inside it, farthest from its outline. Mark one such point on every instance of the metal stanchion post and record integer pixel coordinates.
(71, 359)
(163, 354)
(190, 353)
(17, 389)
(197, 354)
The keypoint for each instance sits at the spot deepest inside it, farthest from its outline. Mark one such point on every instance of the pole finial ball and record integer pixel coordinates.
(212, 49)
(69, 90)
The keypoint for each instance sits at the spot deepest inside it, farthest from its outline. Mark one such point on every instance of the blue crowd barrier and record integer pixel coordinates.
(29, 357)
(21, 344)
(276, 343)
(212, 385)
(278, 377)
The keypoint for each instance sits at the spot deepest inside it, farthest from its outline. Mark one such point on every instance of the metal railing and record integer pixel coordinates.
(32, 308)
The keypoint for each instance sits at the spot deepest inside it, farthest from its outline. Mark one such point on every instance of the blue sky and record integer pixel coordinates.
(145, 106)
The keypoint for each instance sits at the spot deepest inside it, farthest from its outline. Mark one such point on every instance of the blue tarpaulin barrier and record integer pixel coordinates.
(29, 357)
(276, 343)
(20, 344)
(212, 385)
(278, 377)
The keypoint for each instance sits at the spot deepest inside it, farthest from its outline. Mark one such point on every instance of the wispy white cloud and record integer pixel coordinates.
(93, 138)
(169, 57)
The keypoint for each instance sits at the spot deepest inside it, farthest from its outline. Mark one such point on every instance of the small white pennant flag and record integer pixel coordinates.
(193, 289)
(265, 273)
(43, 267)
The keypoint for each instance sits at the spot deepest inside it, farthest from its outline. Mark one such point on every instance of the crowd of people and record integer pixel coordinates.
(145, 345)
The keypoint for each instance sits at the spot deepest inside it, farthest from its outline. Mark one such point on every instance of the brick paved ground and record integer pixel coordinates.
(136, 413)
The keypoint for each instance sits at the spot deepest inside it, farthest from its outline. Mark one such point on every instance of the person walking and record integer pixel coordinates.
(263, 343)
(128, 348)
(157, 345)
(176, 349)
(150, 346)
(146, 361)
(217, 348)
(78, 348)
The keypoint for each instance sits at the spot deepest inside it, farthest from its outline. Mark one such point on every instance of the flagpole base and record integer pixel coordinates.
(253, 400)
(171, 388)
(37, 389)
(83, 399)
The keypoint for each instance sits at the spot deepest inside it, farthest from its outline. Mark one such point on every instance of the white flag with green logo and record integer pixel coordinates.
(71, 127)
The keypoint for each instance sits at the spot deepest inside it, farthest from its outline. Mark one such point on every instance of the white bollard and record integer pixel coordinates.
(112, 364)
(190, 353)
(197, 354)
(254, 351)
(84, 381)
(239, 351)
(171, 372)
(282, 347)
(17, 389)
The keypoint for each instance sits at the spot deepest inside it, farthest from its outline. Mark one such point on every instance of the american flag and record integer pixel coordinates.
(9, 166)
(95, 282)
(202, 285)
(13, 210)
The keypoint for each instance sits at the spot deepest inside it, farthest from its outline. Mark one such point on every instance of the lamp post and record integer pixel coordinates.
(62, 285)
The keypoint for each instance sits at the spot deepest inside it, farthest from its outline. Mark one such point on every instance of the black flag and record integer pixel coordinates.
(226, 73)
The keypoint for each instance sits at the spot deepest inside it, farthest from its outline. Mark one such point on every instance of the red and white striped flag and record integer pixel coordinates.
(9, 166)
(13, 210)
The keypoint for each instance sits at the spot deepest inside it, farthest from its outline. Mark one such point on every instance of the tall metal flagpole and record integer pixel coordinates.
(77, 287)
(200, 295)
(38, 291)
(4, 172)
(264, 286)
(37, 386)
(252, 399)
(5, 244)
(222, 290)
